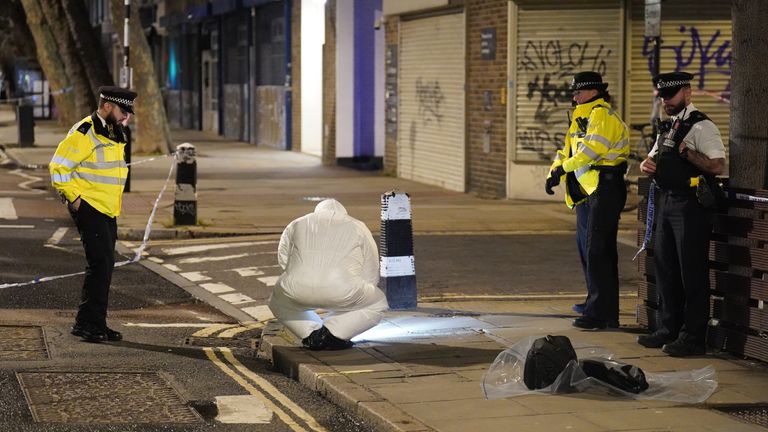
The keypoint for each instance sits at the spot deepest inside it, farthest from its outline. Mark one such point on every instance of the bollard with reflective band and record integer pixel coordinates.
(185, 199)
(398, 270)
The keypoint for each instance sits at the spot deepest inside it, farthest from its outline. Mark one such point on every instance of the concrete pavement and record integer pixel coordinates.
(423, 369)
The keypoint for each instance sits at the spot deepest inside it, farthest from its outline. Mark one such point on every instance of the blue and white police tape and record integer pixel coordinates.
(139, 251)
(648, 220)
(34, 97)
(650, 212)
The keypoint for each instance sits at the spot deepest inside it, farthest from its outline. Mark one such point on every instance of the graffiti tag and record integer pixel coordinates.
(696, 52)
(429, 96)
(563, 59)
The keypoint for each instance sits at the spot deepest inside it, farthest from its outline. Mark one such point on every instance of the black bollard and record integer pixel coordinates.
(398, 270)
(127, 135)
(185, 199)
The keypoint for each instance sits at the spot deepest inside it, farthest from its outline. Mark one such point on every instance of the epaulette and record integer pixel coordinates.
(83, 128)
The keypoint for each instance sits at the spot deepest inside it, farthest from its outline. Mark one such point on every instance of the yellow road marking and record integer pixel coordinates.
(272, 390)
(254, 391)
(235, 331)
(212, 329)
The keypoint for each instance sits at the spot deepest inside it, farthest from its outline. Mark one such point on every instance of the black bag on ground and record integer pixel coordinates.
(620, 375)
(546, 359)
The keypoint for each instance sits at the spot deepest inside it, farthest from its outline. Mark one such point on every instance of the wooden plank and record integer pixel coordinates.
(732, 285)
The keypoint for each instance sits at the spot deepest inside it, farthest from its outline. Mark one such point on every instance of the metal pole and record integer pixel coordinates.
(126, 81)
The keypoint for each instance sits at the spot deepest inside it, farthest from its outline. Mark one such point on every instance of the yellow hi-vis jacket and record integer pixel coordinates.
(596, 137)
(90, 165)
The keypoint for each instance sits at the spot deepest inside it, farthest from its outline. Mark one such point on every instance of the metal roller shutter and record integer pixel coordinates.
(696, 38)
(555, 40)
(431, 136)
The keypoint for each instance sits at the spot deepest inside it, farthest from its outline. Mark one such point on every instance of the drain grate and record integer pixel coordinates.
(755, 414)
(22, 343)
(103, 397)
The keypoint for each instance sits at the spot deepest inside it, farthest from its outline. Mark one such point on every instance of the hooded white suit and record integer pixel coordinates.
(329, 261)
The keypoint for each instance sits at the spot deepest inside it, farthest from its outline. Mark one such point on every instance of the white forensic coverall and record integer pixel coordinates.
(329, 261)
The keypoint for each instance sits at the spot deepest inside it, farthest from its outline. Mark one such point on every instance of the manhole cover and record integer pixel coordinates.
(756, 414)
(102, 397)
(22, 343)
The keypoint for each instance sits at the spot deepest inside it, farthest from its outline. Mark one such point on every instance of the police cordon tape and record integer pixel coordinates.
(35, 96)
(139, 251)
(649, 215)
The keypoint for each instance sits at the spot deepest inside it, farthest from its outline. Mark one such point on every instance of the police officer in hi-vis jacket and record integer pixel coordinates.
(89, 171)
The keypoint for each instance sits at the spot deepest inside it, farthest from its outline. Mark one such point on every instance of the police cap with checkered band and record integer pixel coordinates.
(588, 80)
(670, 83)
(118, 96)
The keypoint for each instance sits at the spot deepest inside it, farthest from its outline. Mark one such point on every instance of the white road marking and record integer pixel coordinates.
(172, 325)
(57, 236)
(195, 276)
(246, 409)
(260, 313)
(248, 271)
(7, 210)
(203, 248)
(236, 298)
(217, 288)
(172, 267)
(30, 179)
(269, 280)
(221, 258)
(17, 226)
(156, 260)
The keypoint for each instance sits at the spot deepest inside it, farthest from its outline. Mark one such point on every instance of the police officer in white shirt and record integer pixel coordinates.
(688, 154)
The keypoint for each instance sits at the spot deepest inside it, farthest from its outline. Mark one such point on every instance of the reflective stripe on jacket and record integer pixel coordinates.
(90, 165)
(597, 136)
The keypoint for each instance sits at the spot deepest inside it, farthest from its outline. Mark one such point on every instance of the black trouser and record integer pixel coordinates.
(681, 257)
(98, 232)
(605, 205)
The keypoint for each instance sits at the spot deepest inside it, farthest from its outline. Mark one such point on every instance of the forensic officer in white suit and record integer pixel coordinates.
(330, 261)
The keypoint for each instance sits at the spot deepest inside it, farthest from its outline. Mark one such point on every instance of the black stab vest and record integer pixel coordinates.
(673, 172)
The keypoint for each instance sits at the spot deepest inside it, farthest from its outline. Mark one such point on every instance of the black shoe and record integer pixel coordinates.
(655, 340)
(315, 341)
(589, 323)
(323, 339)
(684, 348)
(89, 333)
(113, 335)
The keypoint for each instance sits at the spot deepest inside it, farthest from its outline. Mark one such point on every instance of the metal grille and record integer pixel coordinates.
(22, 343)
(101, 397)
(756, 414)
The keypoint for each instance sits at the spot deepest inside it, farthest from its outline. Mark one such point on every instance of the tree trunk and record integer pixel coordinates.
(749, 91)
(152, 131)
(48, 56)
(57, 21)
(87, 44)
(15, 42)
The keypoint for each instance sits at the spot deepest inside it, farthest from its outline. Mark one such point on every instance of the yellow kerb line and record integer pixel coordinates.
(235, 331)
(273, 391)
(254, 391)
(212, 329)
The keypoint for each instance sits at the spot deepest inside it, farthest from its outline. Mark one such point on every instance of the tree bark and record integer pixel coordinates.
(54, 15)
(15, 36)
(50, 61)
(87, 44)
(152, 131)
(749, 91)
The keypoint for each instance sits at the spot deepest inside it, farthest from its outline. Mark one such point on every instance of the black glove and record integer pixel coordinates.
(553, 180)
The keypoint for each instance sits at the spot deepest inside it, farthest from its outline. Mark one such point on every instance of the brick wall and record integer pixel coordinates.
(296, 75)
(391, 37)
(486, 167)
(329, 85)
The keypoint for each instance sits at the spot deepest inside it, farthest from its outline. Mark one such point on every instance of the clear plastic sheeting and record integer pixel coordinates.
(505, 378)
